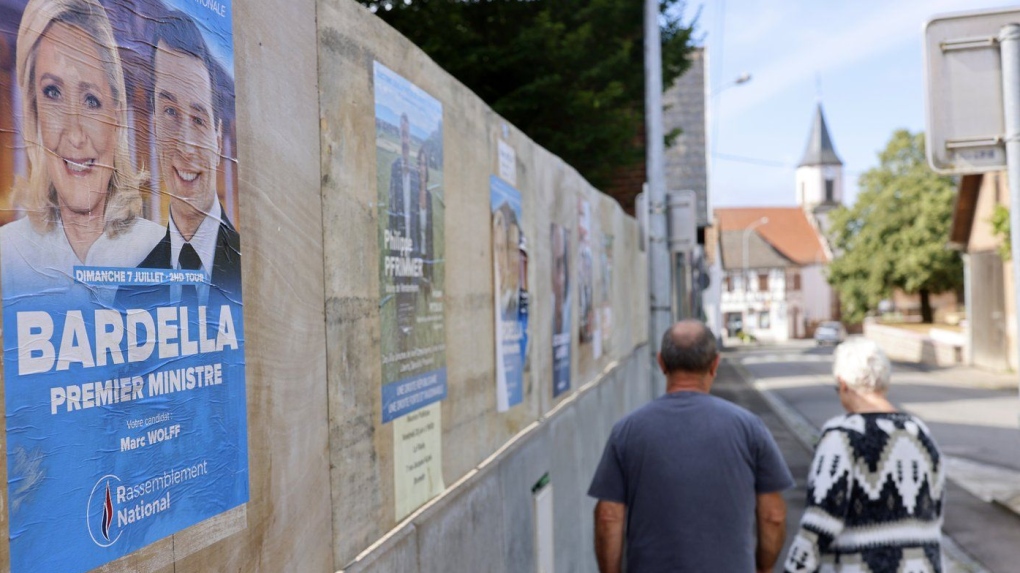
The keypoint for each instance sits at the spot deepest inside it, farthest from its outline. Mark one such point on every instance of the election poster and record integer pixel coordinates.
(409, 169)
(588, 323)
(561, 308)
(417, 458)
(605, 291)
(510, 282)
(120, 263)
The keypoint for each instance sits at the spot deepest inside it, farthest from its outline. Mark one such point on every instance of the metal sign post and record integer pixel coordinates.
(972, 71)
(1009, 42)
(659, 268)
(682, 208)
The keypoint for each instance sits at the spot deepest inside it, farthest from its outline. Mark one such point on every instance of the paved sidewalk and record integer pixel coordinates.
(795, 437)
(964, 376)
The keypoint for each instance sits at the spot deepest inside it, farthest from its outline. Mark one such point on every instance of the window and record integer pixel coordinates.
(796, 281)
(763, 282)
(763, 319)
(830, 192)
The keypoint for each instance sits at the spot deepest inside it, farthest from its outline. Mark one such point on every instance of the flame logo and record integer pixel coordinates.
(107, 513)
(101, 529)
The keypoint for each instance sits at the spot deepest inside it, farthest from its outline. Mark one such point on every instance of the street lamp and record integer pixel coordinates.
(747, 281)
(714, 97)
(741, 79)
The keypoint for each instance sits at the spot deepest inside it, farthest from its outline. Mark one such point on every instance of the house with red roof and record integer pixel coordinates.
(768, 263)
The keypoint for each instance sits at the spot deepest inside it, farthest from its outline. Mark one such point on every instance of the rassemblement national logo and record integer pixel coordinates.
(114, 506)
(100, 512)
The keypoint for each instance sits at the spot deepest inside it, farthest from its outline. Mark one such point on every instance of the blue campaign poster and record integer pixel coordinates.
(561, 308)
(123, 339)
(510, 285)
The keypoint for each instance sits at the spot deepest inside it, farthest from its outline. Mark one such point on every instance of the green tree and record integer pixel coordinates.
(569, 73)
(895, 235)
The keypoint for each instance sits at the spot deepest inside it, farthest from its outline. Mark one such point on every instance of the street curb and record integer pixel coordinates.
(957, 560)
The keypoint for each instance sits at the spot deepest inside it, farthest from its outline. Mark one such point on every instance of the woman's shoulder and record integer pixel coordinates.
(15, 229)
(141, 229)
(845, 423)
(22, 236)
(129, 247)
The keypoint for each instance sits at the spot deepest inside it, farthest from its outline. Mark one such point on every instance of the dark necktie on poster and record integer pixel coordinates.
(189, 261)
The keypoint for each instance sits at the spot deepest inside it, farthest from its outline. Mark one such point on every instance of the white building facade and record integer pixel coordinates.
(768, 263)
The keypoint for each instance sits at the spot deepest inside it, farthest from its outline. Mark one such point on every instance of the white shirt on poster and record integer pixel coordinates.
(204, 243)
(33, 263)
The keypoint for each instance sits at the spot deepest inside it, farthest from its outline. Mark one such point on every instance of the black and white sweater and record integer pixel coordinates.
(874, 499)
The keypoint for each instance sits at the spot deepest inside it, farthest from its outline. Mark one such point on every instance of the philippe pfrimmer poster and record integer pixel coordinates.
(409, 156)
(120, 263)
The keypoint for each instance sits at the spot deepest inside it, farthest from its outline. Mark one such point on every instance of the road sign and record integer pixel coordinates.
(963, 76)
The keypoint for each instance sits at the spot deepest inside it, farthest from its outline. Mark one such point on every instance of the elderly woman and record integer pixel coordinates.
(875, 485)
(81, 194)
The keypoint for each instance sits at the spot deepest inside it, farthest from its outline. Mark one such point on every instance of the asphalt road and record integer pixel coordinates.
(973, 416)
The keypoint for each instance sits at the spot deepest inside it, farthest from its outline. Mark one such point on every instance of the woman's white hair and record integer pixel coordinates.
(862, 365)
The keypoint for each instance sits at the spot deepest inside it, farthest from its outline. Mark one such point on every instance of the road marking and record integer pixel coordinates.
(801, 381)
(786, 357)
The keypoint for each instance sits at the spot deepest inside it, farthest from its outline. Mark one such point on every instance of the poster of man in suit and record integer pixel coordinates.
(560, 239)
(409, 161)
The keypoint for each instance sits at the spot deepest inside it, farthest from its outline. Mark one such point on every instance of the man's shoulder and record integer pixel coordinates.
(652, 411)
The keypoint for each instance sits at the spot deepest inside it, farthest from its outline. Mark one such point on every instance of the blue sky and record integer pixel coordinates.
(864, 58)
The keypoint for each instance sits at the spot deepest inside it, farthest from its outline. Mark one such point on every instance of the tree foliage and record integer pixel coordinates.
(569, 73)
(895, 235)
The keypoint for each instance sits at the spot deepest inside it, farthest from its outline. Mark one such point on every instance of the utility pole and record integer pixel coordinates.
(1009, 49)
(659, 265)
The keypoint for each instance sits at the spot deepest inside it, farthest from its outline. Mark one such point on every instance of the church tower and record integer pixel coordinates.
(820, 173)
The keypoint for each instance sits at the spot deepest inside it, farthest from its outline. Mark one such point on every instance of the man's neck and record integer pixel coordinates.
(188, 219)
(686, 382)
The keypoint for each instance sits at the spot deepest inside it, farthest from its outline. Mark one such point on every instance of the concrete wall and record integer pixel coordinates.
(321, 460)
(818, 294)
(482, 523)
(936, 347)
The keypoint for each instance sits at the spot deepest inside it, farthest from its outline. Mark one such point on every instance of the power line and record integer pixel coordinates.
(753, 160)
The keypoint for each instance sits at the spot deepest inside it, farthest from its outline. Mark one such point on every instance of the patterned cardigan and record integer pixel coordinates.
(874, 499)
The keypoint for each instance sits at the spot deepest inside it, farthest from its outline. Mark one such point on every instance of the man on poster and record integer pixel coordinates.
(406, 228)
(188, 140)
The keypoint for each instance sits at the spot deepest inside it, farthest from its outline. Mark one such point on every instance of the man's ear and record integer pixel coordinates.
(715, 365)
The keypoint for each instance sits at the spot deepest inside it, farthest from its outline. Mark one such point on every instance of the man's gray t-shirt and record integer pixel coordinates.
(688, 466)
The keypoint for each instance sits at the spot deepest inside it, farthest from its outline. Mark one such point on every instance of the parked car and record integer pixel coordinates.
(831, 332)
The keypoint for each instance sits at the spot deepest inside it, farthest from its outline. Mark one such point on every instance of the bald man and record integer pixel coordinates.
(690, 477)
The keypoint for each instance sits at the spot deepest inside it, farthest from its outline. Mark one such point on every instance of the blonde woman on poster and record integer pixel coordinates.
(81, 194)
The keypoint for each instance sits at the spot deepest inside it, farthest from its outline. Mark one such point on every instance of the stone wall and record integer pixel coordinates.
(936, 347)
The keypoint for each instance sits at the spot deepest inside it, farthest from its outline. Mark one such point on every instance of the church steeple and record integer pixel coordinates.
(819, 149)
(820, 172)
